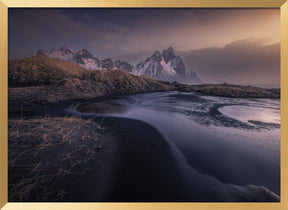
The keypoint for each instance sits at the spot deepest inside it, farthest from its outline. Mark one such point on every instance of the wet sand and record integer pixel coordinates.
(147, 170)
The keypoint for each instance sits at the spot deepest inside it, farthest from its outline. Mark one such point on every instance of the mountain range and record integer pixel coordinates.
(162, 66)
(86, 59)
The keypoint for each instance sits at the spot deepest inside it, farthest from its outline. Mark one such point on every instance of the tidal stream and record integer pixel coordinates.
(235, 140)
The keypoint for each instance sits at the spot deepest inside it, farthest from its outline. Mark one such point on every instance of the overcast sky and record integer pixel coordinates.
(231, 45)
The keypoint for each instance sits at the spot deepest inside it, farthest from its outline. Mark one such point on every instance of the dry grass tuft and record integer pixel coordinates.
(42, 151)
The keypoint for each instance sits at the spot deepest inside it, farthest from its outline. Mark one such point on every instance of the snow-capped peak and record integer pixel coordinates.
(166, 66)
(163, 66)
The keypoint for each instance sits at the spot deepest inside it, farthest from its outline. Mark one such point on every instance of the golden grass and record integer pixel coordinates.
(41, 70)
(44, 150)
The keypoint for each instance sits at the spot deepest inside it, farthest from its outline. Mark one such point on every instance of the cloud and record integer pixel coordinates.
(241, 62)
(45, 29)
(134, 30)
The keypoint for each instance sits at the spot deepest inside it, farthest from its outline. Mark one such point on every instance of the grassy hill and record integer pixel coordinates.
(41, 79)
(40, 70)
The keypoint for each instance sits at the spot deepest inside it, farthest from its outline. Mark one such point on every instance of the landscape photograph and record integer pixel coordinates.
(143, 105)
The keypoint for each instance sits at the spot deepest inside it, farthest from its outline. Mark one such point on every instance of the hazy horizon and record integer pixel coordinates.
(240, 46)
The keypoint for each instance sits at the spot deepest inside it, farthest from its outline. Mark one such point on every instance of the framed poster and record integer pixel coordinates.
(143, 105)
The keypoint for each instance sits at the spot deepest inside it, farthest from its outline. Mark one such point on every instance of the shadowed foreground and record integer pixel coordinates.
(44, 152)
(74, 159)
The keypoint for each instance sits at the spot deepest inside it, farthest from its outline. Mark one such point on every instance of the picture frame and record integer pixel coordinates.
(5, 4)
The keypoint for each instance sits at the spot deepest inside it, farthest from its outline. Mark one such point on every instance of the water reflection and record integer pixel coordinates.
(246, 113)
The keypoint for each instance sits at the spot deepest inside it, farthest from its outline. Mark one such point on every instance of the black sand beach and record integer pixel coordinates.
(147, 170)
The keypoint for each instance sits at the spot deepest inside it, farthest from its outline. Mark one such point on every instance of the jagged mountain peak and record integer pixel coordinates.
(119, 61)
(169, 50)
(156, 53)
(155, 57)
(67, 50)
(123, 65)
(63, 53)
(165, 66)
(85, 54)
(107, 59)
(41, 52)
(107, 63)
(63, 49)
(168, 54)
(53, 50)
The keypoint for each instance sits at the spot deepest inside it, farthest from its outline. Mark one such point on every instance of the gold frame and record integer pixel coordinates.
(5, 4)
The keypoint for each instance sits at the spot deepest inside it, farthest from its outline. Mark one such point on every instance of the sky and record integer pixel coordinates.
(221, 45)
